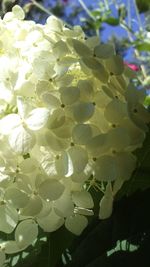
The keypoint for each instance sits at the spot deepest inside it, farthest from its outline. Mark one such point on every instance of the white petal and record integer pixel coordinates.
(8, 123)
(26, 232)
(106, 203)
(118, 139)
(83, 111)
(78, 158)
(2, 258)
(55, 143)
(23, 107)
(86, 90)
(76, 224)
(51, 101)
(126, 163)
(9, 218)
(51, 189)
(106, 168)
(69, 95)
(64, 205)
(21, 140)
(56, 119)
(16, 197)
(11, 247)
(18, 12)
(104, 50)
(80, 48)
(83, 199)
(115, 64)
(37, 118)
(33, 207)
(62, 164)
(106, 207)
(81, 133)
(97, 145)
(116, 111)
(50, 223)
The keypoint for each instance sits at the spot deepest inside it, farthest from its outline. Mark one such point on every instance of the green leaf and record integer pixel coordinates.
(59, 241)
(143, 47)
(143, 5)
(111, 21)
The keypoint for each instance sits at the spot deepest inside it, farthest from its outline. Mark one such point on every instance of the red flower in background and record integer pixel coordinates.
(132, 66)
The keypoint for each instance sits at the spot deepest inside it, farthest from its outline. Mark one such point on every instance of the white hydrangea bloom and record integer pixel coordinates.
(68, 117)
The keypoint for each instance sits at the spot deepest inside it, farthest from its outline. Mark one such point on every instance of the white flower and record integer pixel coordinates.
(69, 120)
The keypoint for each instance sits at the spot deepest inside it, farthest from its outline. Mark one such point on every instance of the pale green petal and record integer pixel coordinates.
(106, 207)
(76, 224)
(9, 218)
(55, 143)
(104, 50)
(106, 203)
(115, 65)
(50, 223)
(18, 12)
(16, 197)
(26, 232)
(118, 139)
(116, 111)
(51, 189)
(97, 145)
(81, 133)
(83, 199)
(80, 48)
(56, 119)
(33, 207)
(64, 205)
(51, 101)
(78, 158)
(86, 90)
(69, 95)
(106, 168)
(83, 111)
(126, 163)
(2, 258)
(11, 247)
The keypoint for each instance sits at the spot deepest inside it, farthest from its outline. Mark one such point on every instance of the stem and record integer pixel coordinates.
(106, 4)
(42, 8)
(86, 10)
(89, 14)
(137, 54)
(138, 16)
(129, 14)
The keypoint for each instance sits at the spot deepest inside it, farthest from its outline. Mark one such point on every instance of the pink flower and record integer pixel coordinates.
(132, 66)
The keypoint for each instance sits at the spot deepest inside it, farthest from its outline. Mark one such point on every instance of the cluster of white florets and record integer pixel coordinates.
(69, 119)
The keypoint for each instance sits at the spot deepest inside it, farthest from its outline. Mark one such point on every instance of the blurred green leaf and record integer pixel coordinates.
(143, 5)
(143, 47)
(59, 240)
(111, 21)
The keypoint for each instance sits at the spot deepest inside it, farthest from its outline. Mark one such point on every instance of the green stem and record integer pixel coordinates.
(89, 14)
(42, 8)
(86, 10)
(106, 4)
(129, 14)
(138, 16)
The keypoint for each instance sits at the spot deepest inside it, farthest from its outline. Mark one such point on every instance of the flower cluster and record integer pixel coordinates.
(69, 119)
